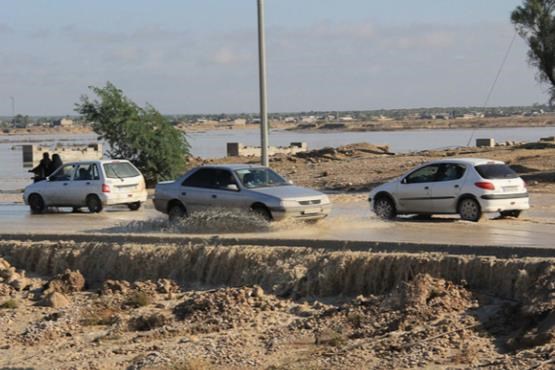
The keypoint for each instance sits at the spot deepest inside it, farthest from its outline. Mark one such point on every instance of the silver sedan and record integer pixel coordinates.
(243, 187)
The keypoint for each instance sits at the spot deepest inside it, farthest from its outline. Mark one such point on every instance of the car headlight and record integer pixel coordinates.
(288, 203)
(325, 199)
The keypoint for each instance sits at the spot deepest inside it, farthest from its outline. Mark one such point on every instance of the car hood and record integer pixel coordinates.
(288, 192)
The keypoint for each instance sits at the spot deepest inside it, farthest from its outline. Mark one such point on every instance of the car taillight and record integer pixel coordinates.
(105, 188)
(485, 185)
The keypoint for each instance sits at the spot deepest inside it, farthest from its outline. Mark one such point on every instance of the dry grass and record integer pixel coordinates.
(100, 316)
(139, 299)
(10, 304)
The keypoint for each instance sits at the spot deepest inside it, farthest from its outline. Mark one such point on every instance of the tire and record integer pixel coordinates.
(176, 212)
(384, 208)
(262, 212)
(94, 204)
(36, 204)
(134, 206)
(469, 210)
(513, 213)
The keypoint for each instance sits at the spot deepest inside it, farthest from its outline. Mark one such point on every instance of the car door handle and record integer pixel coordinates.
(426, 188)
(65, 183)
(87, 183)
(214, 196)
(184, 193)
(457, 186)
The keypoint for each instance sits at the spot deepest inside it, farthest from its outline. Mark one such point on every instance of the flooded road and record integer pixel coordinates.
(348, 221)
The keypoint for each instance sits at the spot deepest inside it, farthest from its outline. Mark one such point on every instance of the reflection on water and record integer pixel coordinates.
(212, 144)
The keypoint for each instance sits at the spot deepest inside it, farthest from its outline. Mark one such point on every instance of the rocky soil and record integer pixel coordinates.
(66, 322)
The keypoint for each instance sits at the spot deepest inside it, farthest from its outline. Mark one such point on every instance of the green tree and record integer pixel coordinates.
(535, 22)
(141, 135)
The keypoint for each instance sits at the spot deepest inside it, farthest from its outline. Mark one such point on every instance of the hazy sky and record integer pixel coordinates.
(200, 56)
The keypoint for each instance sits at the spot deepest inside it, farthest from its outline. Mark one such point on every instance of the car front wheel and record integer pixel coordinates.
(469, 210)
(385, 208)
(36, 203)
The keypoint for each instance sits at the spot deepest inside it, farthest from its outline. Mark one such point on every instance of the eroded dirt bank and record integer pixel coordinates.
(99, 305)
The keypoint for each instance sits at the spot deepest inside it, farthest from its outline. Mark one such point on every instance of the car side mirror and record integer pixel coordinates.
(232, 187)
(404, 181)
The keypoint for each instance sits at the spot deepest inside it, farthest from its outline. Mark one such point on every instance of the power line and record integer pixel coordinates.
(495, 81)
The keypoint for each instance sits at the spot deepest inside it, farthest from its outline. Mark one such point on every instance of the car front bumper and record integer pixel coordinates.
(301, 213)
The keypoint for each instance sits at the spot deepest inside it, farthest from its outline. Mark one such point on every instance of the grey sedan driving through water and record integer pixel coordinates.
(242, 187)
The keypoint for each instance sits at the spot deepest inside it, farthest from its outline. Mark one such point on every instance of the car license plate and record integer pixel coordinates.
(312, 211)
(510, 188)
(130, 195)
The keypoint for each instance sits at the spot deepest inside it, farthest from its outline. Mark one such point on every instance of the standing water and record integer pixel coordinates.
(212, 144)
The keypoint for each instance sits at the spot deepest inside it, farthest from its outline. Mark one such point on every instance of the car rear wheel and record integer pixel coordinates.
(36, 203)
(262, 212)
(176, 212)
(134, 206)
(469, 210)
(513, 213)
(385, 208)
(94, 204)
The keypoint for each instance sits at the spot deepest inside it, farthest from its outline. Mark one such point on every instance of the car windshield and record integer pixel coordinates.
(496, 171)
(120, 170)
(260, 178)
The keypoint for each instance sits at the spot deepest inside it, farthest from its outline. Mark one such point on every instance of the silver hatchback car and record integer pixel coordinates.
(243, 187)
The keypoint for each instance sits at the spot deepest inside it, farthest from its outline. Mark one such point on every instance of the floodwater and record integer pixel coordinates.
(348, 221)
(212, 144)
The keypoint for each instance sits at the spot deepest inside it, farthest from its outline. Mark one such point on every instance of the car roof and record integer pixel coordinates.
(468, 161)
(232, 167)
(101, 161)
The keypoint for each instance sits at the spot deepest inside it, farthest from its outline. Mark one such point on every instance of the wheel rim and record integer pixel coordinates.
(469, 210)
(384, 208)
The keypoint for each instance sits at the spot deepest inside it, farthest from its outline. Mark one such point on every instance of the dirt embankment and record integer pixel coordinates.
(94, 305)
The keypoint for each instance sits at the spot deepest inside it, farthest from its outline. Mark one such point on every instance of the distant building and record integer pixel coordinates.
(346, 119)
(239, 122)
(64, 122)
(308, 119)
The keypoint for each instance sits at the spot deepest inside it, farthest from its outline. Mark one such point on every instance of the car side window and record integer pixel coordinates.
(86, 172)
(223, 179)
(424, 174)
(64, 173)
(450, 172)
(202, 178)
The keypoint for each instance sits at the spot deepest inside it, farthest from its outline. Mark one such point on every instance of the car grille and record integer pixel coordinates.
(309, 202)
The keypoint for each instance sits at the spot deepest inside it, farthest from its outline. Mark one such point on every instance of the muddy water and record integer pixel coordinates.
(348, 221)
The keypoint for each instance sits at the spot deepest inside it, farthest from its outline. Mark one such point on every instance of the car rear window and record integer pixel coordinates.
(496, 171)
(119, 170)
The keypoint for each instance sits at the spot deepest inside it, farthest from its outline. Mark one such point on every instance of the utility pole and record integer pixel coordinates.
(13, 106)
(262, 77)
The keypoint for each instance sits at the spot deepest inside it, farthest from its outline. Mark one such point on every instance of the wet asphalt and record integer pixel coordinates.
(348, 221)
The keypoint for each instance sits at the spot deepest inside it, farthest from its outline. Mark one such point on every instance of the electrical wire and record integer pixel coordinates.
(492, 88)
